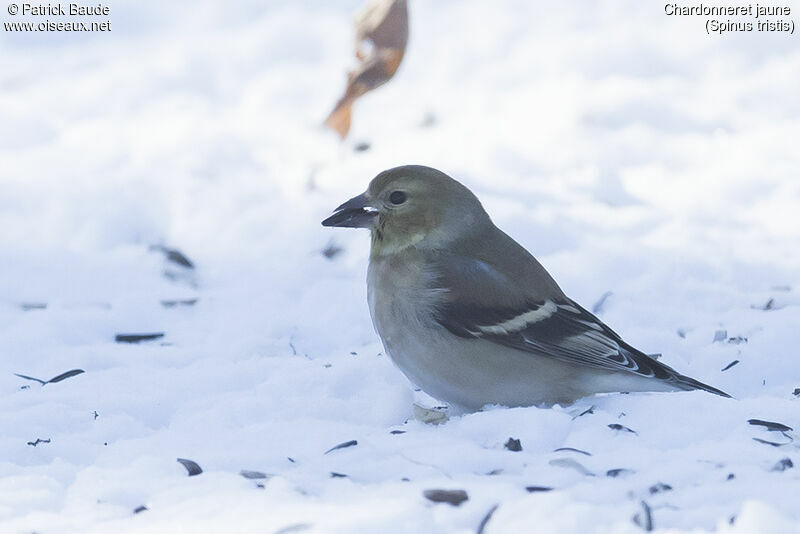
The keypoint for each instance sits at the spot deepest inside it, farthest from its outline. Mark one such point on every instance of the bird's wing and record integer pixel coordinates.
(481, 302)
(562, 330)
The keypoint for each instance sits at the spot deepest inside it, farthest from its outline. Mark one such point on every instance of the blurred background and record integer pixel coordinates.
(634, 154)
(610, 130)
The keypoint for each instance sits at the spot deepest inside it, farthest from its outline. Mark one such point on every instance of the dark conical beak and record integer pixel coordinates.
(355, 213)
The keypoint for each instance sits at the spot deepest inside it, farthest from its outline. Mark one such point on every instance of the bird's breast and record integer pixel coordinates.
(402, 296)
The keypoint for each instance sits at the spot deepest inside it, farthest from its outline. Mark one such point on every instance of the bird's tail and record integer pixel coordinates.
(666, 373)
(689, 383)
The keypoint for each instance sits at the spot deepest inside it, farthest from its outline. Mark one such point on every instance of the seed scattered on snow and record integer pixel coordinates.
(734, 362)
(178, 302)
(782, 465)
(344, 445)
(513, 445)
(454, 497)
(485, 520)
(42, 382)
(770, 425)
(428, 121)
(644, 518)
(587, 411)
(191, 466)
(572, 449)
(253, 475)
(30, 306)
(537, 489)
(773, 443)
(659, 487)
(137, 338)
(619, 472)
(332, 250)
(770, 305)
(173, 255)
(64, 376)
(619, 427)
(55, 379)
(737, 340)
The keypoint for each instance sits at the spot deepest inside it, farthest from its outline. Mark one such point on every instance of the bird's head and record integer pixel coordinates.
(410, 206)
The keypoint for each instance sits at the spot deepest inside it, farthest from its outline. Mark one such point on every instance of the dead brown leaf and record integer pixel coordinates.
(381, 39)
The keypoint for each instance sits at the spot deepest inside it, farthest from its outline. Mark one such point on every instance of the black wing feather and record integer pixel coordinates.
(570, 333)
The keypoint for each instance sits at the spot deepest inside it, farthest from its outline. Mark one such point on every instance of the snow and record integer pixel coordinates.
(628, 150)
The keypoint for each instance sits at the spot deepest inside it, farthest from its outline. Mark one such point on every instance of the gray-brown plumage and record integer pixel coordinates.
(470, 316)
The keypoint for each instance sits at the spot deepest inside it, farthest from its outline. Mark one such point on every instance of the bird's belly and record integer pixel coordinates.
(471, 372)
(474, 373)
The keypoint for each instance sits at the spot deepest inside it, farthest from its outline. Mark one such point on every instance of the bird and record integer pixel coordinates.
(470, 316)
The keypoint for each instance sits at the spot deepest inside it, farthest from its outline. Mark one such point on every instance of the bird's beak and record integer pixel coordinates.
(355, 213)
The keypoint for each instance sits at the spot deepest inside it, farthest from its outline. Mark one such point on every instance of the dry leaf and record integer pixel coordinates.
(381, 38)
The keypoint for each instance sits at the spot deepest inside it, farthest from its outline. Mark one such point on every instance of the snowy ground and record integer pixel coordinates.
(628, 150)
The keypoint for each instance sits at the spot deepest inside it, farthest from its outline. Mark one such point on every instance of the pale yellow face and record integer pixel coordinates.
(418, 206)
(410, 206)
(407, 212)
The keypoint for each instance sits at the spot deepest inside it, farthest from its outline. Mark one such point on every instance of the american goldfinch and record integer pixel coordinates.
(470, 316)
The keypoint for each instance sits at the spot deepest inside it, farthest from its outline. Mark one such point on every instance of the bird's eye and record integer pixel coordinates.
(397, 197)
